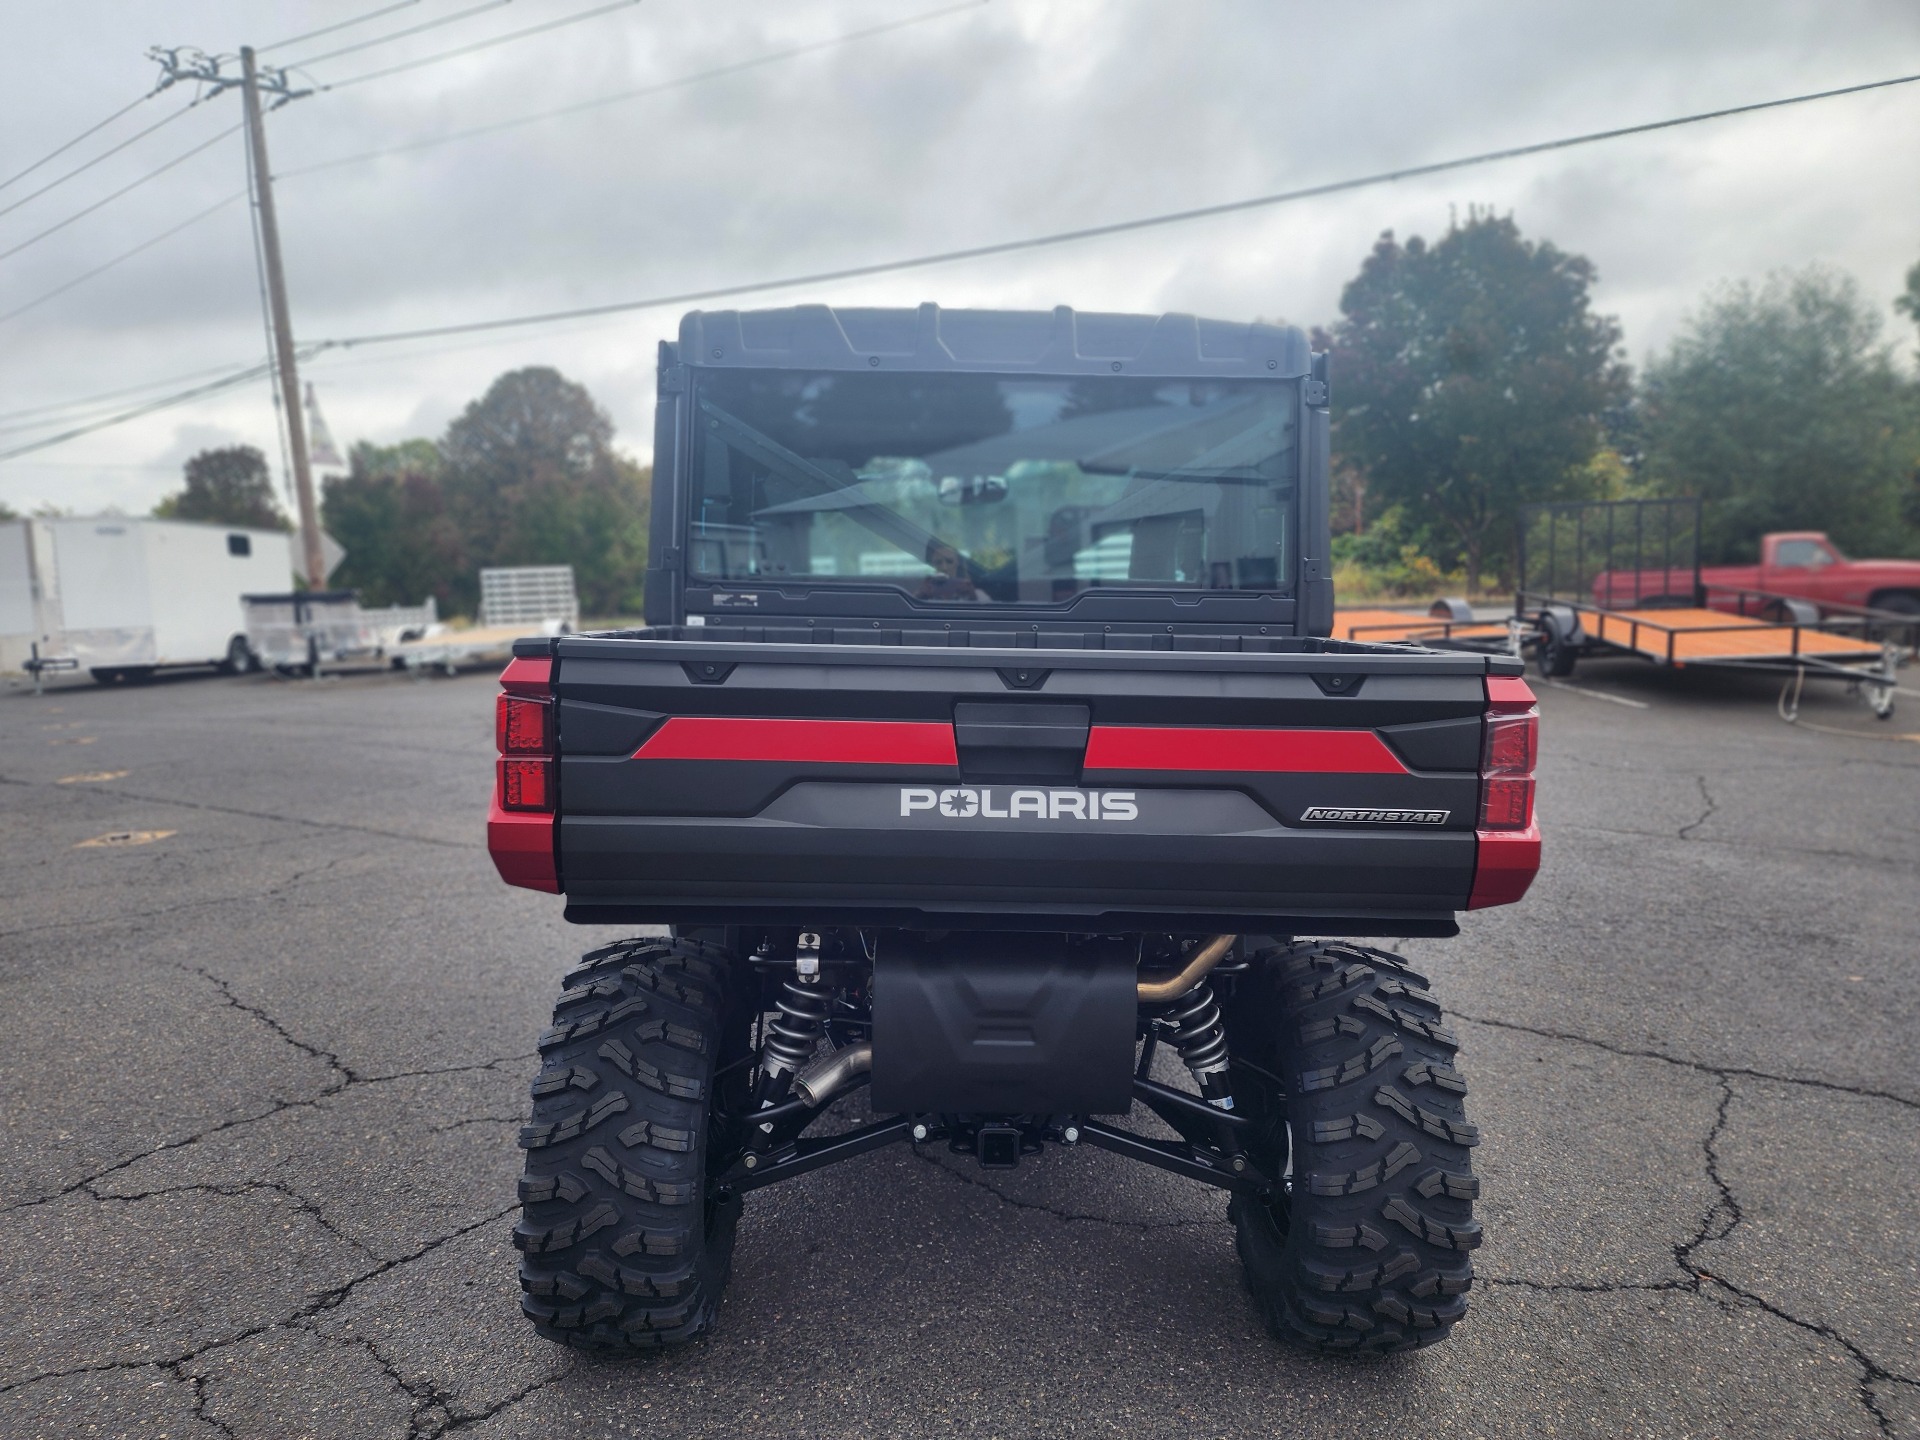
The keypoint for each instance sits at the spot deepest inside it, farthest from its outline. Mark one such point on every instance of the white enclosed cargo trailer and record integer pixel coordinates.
(122, 596)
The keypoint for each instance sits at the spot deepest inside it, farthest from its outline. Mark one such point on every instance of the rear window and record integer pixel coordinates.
(969, 489)
(239, 544)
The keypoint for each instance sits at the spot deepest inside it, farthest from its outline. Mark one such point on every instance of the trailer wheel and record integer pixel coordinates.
(625, 1242)
(1554, 657)
(1365, 1247)
(239, 657)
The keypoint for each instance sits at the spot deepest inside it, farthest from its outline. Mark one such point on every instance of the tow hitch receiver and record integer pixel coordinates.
(998, 1146)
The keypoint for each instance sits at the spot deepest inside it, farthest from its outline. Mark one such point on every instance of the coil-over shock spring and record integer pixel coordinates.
(791, 1038)
(1200, 1036)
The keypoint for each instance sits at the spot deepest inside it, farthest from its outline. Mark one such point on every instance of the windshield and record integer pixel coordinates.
(967, 488)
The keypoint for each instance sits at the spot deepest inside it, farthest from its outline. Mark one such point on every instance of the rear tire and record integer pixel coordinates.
(1366, 1249)
(626, 1243)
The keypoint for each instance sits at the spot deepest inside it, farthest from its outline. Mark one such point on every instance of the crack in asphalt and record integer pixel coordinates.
(426, 1396)
(274, 891)
(1706, 814)
(303, 820)
(301, 1203)
(1743, 1072)
(1722, 1217)
(332, 1060)
(505, 1403)
(1771, 847)
(344, 1078)
(197, 1385)
(317, 1304)
(1872, 1373)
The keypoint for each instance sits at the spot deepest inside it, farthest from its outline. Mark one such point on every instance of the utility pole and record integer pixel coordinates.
(282, 324)
(206, 70)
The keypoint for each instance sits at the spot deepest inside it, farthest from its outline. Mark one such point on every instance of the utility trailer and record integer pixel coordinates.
(1448, 624)
(1622, 578)
(515, 601)
(989, 752)
(124, 596)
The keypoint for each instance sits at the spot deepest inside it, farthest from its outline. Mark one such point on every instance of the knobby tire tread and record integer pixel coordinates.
(1370, 1249)
(623, 1248)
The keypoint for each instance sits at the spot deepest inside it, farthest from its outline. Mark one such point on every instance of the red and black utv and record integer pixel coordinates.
(986, 751)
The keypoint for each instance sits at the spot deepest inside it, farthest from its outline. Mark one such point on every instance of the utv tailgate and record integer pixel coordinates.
(838, 784)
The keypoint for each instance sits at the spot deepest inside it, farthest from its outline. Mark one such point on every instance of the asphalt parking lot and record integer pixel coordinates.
(262, 1076)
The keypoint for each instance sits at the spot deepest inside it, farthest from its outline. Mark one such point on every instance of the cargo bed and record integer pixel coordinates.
(1285, 785)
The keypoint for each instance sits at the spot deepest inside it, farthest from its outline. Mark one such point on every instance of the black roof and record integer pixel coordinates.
(1061, 341)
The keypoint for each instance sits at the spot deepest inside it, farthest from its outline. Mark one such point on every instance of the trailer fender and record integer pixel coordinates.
(1562, 622)
(1787, 611)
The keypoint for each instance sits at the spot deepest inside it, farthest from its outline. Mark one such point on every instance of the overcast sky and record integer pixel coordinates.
(1002, 119)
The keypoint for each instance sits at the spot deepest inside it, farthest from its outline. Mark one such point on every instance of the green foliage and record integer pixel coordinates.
(1908, 303)
(529, 469)
(402, 541)
(1783, 407)
(1470, 378)
(228, 486)
(525, 476)
(7, 512)
(1387, 563)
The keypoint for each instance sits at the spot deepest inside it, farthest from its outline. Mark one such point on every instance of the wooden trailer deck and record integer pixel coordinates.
(1400, 625)
(1686, 636)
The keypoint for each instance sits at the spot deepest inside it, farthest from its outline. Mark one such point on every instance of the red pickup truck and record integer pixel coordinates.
(1804, 564)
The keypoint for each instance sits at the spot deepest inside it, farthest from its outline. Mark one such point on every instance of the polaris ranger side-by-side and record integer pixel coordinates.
(986, 748)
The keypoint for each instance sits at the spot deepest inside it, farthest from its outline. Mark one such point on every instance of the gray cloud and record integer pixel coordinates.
(1018, 117)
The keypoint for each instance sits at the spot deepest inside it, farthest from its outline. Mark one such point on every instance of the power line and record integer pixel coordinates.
(340, 25)
(480, 45)
(434, 24)
(131, 185)
(88, 401)
(123, 255)
(252, 372)
(103, 155)
(1120, 227)
(1062, 237)
(679, 82)
(59, 150)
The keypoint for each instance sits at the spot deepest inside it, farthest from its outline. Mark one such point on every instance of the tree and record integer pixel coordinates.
(1471, 377)
(1908, 303)
(228, 486)
(403, 541)
(7, 512)
(1782, 406)
(530, 471)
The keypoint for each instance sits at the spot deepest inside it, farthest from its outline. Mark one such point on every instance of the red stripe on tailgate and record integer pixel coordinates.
(1183, 747)
(820, 742)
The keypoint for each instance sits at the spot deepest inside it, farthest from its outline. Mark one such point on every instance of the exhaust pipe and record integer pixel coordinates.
(830, 1074)
(1189, 975)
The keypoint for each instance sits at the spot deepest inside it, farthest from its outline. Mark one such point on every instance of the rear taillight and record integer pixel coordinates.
(521, 726)
(523, 734)
(1511, 749)
(521, 822)
(526, 784)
